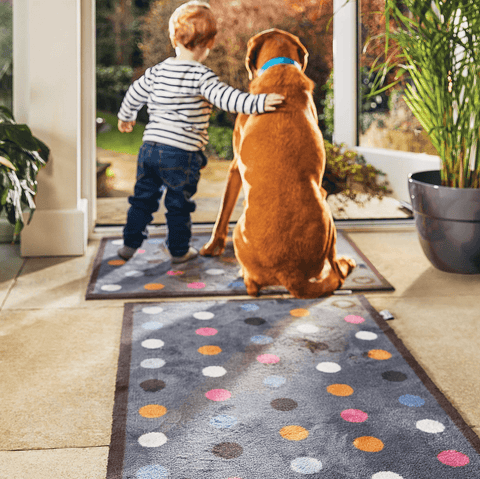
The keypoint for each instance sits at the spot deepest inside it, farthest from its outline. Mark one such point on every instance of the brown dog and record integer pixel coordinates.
(286, 232)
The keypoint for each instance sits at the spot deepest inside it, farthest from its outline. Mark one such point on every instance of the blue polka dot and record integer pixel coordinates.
(260, 339)
(249, 307)
(306, 465)
(411, 401)
(152, 472)
(274, 381)
(237, 284)
(223, 421)
(152, 325)
(155, 241)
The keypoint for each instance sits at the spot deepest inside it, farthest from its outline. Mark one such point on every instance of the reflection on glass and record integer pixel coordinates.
(6, 53)
(385, 121)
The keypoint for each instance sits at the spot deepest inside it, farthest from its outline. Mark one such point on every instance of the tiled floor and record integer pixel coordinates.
(58, 352)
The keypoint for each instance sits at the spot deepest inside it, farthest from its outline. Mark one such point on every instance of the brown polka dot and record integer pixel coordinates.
(340, 390)
(116, 262)
(284, 404)
(368, 444)
(209, 350)
(228, 450)
(294, 433)
(152, 411)
(152, 385)
(379, 354)
(154, 286)
(255, 321)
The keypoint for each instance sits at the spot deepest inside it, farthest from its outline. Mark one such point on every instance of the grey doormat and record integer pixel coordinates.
(150, 273)
(278, 389)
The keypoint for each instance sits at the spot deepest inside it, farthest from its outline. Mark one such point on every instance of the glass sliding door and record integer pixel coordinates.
(6, 37)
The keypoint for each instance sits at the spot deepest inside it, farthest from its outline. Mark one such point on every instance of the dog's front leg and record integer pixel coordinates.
(218, 240)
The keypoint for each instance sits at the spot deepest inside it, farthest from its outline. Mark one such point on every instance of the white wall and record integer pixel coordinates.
(54, 93)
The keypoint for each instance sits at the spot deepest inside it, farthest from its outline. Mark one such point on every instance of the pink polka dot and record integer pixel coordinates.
(218, 394)
(141, 251)
(354, 415)
(354, 319)
(175, 273)
(453, 458)
(268, 358)
(196, 285)
(206, 331)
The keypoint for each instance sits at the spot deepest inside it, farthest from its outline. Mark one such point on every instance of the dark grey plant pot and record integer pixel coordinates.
(447, 221)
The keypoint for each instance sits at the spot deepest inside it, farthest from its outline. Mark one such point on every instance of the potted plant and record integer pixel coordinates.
(21, 156)
(434, 45)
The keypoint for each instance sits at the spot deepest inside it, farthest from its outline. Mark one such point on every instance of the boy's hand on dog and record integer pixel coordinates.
(125, 126)
(272, 100)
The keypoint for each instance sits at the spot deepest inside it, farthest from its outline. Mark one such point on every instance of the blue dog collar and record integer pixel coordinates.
(278, 61)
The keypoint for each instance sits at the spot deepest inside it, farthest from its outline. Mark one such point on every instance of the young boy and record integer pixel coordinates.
(179, 93)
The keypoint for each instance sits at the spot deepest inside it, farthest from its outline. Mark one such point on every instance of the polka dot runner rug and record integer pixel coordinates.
(151, 274)
(278, 389)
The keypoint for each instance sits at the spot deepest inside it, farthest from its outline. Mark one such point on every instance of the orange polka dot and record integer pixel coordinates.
(154, 286)
(209, 350)
(379, 354)
(300, 312)
(152, 411)
(368, 444)
(340, 390)
(294, 433)
(116, 262)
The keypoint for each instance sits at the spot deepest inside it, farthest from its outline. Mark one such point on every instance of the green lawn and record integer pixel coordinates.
(130, 143)
(113, 140)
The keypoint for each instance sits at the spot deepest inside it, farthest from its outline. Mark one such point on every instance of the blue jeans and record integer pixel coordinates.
(160, 168)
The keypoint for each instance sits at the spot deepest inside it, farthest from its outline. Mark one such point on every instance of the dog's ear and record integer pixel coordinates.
(256, 42)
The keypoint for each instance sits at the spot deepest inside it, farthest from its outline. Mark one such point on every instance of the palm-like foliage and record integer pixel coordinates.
(21, 156)
(435, 46)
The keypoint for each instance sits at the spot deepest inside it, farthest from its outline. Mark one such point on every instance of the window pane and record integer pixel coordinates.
(385, 121)
(6, 53)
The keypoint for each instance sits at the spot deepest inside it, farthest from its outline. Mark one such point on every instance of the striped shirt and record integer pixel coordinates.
(179, 97)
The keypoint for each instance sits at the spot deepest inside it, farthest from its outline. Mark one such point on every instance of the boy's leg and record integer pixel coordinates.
(146, 198)
(181, 185)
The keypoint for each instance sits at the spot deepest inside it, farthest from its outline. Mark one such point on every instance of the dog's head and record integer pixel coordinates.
(271, 44)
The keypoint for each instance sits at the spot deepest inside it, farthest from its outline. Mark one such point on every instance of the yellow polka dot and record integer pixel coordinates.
(209, 350)
(154, 286)
(340, 390)
(294, 433)
(116, 262)
(368, 444)
(300, 312)
(379, 354)
(152, 411)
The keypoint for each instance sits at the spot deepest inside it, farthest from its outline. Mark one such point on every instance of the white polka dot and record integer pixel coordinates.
(118, 242)
(152, 310)
(308, 328)
(214, 371)
(366, 335)
(153, 344)
(134, 274)
(215, 272)
(430, 426)
(203, 315)
(386, 475)
(111, 287)
(153, 363)
(152, 439)
(328, 367)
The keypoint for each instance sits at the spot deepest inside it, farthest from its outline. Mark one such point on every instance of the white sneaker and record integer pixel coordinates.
(190, 254)
(125, 252)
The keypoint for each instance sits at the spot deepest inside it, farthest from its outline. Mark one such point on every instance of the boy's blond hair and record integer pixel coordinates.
(192, 24)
